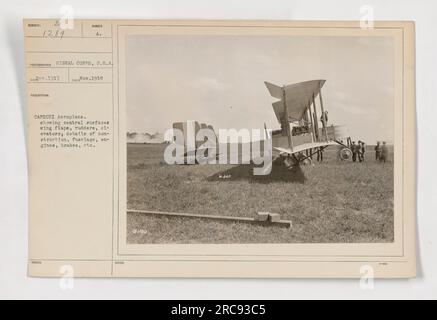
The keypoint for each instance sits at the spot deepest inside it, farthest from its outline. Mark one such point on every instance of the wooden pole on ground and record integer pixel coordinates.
(272, 219)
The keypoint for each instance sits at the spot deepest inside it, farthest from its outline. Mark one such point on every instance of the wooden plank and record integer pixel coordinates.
(274, 217)
(280, 223)
(262, 216)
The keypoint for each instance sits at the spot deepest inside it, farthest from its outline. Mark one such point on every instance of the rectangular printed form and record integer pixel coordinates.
(105, 98)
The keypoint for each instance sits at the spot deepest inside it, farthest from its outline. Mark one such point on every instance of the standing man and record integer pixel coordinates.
(320, 155)
(354, 151)
(377, 151)
(384, 152)
(363, 150)
(360, 155)
(324, 118)
(339, 148)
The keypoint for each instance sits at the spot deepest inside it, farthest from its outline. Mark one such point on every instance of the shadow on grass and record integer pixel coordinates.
(279, 173)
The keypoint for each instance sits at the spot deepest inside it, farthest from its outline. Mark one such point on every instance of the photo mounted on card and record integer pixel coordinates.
(221, 148)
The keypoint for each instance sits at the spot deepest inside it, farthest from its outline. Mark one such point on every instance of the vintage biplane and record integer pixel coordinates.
(304, 129)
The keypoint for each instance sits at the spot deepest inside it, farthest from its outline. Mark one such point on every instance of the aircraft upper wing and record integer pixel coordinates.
(298, 97)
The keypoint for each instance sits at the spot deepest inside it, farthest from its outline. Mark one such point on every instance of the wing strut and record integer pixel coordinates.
(287, 122)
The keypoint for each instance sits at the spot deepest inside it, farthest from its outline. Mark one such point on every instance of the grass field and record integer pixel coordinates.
(330, 202)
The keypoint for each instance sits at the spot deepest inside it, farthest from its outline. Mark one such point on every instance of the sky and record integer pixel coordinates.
(219, 80)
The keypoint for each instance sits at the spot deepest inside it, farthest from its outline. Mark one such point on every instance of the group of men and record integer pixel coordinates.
(381, 152)
(358, 150)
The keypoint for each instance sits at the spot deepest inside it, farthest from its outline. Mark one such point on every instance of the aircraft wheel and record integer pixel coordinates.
(288, 163)
(345, 154)
(307, 162)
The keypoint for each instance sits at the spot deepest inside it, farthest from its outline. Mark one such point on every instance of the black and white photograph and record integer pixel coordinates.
(245, 139)
(218, 155)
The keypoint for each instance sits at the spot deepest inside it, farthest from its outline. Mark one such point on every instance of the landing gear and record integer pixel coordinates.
(295, 160)
(307, 162)
(289, 162)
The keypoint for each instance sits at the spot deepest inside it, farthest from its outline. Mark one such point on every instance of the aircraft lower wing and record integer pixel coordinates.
(305, 146)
